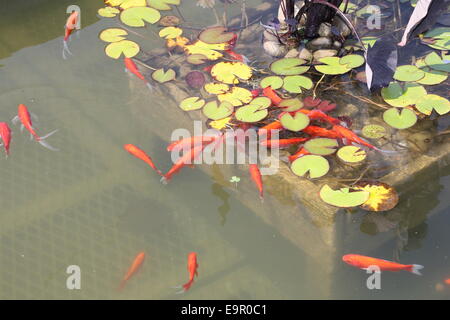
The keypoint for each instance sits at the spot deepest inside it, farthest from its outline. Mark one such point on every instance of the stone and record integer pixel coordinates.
(325, 30)
(342, 27)
(349, 110)
(269, 36)
(324, 53)
(291, 53)
(305, 54)
(274, 48)
(337, 44)
(319, 43)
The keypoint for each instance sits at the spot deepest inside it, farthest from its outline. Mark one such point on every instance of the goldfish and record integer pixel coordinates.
(447, 281)
(237, 56)
(187, 158)
(272, 95)
(300, 152)
(315, 131)
(191, 141)
(137, 262)
(25, 119)
(319, 115)
(267, 129)
(257, 179)
(345, 133)
(364, 262)
(131, 66)
(282, 142)
(5, 134)
(192, 267)
(140, 154)
(70, 26)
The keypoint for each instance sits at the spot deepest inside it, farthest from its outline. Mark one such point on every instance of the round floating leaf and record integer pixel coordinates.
(290, 105)
(438, 33)
(344, 197)
(332, 66)
(316, 166)
(420, 63)
(210, 51)
(192, 103)
(113, 35)
(169, 21)
(216, 35)
(352, 61)
(408, 73)
(400, 118)
(294, 84)
(251, 113)
(432, 77)
(170, 32)
(289, 66)
(274, 82)
(351, 154)
(219, 124)
(397, 96)
(294, 123)
(108, 12)
(236, 96)
(231, 72)
(262, 102)
(126, 47)
(214, 111)
(374, 131)
(163, 4)
(369, 41)
(382, 197)
(434, 61)
(133, 3)
(196, 59)
(427, 103)
(216, 88)
(321, 146)
(163, 76)
(137, 16)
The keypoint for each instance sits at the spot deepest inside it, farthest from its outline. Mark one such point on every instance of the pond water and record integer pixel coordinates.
(93, 205)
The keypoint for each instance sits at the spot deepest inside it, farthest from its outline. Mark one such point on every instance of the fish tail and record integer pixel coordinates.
(45, 144)
(164, 179)
(261, 197)
(188, 285)
(415, 269)
(122, 285)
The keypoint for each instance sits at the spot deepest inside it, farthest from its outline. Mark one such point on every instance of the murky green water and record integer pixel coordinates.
(91, 204)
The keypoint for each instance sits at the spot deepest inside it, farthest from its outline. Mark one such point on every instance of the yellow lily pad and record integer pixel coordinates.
(127, 48)
(113, 35)
(220, 124)
(231, 72)
(382, 197)
(163, 5)
(137, 16)
(216, 88)
(108, 12)
(163, 76)
(210, 51)
(170, 32)
(236, 96)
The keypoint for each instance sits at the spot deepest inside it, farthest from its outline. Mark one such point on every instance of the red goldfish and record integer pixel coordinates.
(276, 125)
(137, 262)
(131, 66)
(191, 142)
(345, 133)
(237, 56)
(300, 152)
(5, 134)
(447, 281)
(272, 95)
(192, 269)
(187, 158)
(257, 179)
(70, 26)
(315, 131)
(364, 262)
(25, 119)
(140, 154)
(283, 142)
(319, 115)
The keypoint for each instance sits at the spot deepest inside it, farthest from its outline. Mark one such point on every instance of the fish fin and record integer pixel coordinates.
(415, 269)
(49, 134)
(188, 285)
(31, 136)
(46, 145)
(66, 49)
(164, 180)
(261, 198)
(15, 120)
(22, 127)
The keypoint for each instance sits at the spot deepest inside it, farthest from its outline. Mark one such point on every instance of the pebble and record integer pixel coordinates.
(319, 54)
(340, 24)
(319, 43)
(274, 48)
(325, 30)
(305, 54)
(291, 53)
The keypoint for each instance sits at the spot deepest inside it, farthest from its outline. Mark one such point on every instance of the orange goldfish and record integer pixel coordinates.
(25, 119)
(187, 158)
(5, 134)
(319, 115)
(192, 269)
(140, 154)
(345, 133)
(257, 179)
(447, 281)
(300, 152)
(137, 262)
(191, 142)
(315, 131)
(364, 262)
(276, 125)
(131, 66)
(282, 142)
(272, 95)
(70, 26)
(237, 56)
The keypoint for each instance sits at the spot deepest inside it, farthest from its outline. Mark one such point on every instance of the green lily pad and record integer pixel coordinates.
(438, 33)
(351, 154)
(316, 166)
(163, 76)
(251, 113)
(408, 73)
(294, 123)
(289, 66)
(294, 84)
(344, 197)
(137, 16)
(369, 41)
(433, 77)
(196, 59)
(192, 103)
(352, 61)
(440, 44)
(215, 35)
(434, 61)
(125, 47)
(262, 102)
(214, 111)
(397, 96)
(432, 101)
(163, 5)
(290, 105)
(113, 35)
(374, 131)
(400, 118)
(321, 146)
(332, 66)
(108, 12)
(274, 82)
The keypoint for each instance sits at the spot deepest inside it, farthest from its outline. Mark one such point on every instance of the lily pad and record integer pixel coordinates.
(289, 66)
(113, 35)
(399, 96)
(344, 197)
(274, 82)
(262, 102)
(374, 131)
(214, 111)
(294, 84)
(316, 166)
(294, 123)
(251, 113)
(216, 35)
(351, 154)
(170, 32)
(236, 96)
(321, 146)
(352, 61)
(126, 47)
(192, 103)
(210, 51)
(331, 66)
(432, 77)
(196, 59)
(219, 124)
(400, 118)
(231, 72)
(427, 103)
(434, 61)
(382, 197)
(108, 12)
(125, 4)
(408, 73)
(163, 76)
(291, 105)
(216, 88)
(137, 16)
(163, 5)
